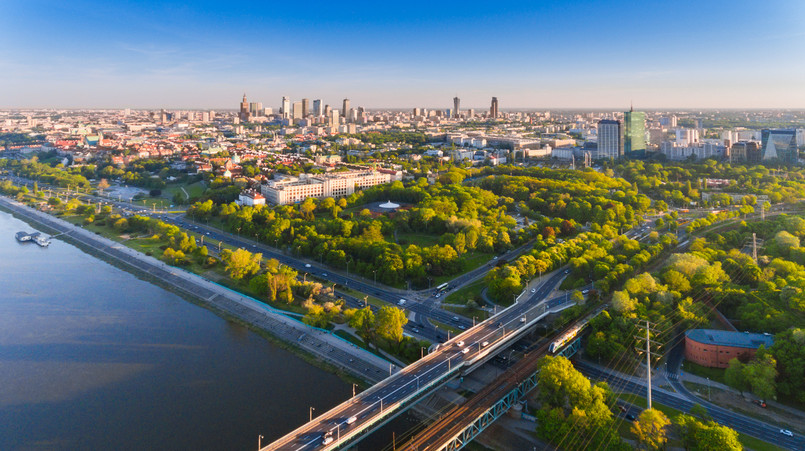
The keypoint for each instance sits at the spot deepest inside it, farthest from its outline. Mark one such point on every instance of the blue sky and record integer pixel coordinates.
(532, 54)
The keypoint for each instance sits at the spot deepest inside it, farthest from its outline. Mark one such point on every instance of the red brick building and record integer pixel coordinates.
(715, 348)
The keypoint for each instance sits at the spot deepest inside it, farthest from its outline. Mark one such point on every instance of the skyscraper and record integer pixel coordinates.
(244, 109)
(493, 110)
(286, 107)
(609, 139)
(634, 134)
(317, 109)
(779, 144)
(456, 105)
(345, 108)
(305, 107)
(297, 110)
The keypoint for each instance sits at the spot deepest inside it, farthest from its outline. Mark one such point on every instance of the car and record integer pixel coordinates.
(522, 320)
(324, 274)
(460, 343)
(585, 291)
(401, 302)
(455, 318)
(500, 324)
(352, 419)
(438, 295)
(484, 344)
(533, 290)
(307, 265)
(622, 408)
(461, 327)
(630, 417)
(786, 432)
(327, 439)
(495, 258)
(465, 350)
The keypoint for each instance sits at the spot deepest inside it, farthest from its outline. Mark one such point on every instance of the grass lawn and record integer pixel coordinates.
(418, 239)
(462, 295)
(715, 374)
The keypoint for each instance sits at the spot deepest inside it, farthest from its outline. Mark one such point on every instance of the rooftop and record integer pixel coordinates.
(727, 338)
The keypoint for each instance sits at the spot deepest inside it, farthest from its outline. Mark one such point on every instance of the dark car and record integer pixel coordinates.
(630, 417)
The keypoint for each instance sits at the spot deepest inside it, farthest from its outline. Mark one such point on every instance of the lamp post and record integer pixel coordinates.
(353, 389)
(311, 413)
(259, 442)
(374, 271)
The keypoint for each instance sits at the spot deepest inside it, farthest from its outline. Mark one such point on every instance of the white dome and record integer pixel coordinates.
(390, 205)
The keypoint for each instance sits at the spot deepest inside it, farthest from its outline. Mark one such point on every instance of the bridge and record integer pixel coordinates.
(350, 421)
(463, 423)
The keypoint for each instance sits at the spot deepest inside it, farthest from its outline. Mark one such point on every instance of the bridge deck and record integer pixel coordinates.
(350, 420)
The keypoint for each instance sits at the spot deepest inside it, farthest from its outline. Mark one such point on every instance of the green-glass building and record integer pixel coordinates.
(634, 134)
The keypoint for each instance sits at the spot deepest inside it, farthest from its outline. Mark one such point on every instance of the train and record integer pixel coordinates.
(573, 332)
(565, 338)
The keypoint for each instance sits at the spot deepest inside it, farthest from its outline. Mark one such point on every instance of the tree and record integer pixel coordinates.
(241, 262)
(734, 375)
(389, 323)
(650, 428)
(761, 373)
(622, 303)
(577, 297)
(561, 385)
(102, 185)
(789, 350)
(363, 320)
(709, 436)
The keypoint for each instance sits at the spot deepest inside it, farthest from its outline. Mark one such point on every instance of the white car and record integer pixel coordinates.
(460, 343)
(465, 350)
(484, 344)
(351, 420)
(401, 302)
(533, 290)
(327, 440)
(307, 265)
(786, 432)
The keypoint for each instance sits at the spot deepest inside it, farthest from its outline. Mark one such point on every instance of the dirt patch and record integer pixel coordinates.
(770, 414)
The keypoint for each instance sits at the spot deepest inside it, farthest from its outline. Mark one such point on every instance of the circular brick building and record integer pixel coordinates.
(715, 348)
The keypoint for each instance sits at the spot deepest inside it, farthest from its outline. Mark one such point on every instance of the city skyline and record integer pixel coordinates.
(593, 55)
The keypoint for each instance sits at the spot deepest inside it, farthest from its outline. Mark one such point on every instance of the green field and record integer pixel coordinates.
(715, 374)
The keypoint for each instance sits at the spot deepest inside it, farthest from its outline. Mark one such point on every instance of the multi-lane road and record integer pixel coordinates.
(386, 398)
(684, 400)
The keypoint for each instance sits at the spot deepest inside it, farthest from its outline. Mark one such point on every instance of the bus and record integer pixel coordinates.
(440, 289)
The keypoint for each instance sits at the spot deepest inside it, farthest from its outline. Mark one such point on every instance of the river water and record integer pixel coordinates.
(91, 357)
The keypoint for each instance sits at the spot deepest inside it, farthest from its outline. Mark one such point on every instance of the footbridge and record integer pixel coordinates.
(350, 421)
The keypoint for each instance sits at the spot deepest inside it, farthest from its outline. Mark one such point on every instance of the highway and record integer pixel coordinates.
(388, 396)
(684, 400)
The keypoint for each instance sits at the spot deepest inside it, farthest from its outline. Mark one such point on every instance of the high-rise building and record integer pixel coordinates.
(244, 109)
(609, 139)
(493, 110)
(345, 108)
(285, 110)
(779, 144)
(456, 105)
(334, 121)
(327, 110)
(305, 107)
(297, 111)
(634, 134)
(317, 109)
(256, 108)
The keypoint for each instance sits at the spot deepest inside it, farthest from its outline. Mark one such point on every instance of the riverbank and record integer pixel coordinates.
(314, 345)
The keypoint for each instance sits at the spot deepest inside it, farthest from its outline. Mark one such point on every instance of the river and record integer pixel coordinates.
(91, 357)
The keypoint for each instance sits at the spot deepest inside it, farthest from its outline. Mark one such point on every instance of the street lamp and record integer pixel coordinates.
(260, 442)
(353, 389)
(311, 413)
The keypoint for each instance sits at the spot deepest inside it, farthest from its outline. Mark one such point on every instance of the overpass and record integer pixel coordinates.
(455, 429)
(355, 418)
